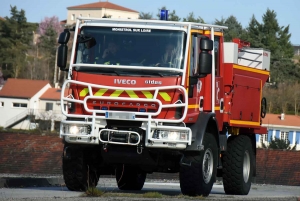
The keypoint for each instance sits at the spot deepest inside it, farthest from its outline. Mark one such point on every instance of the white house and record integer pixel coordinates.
(282, 126)
(99, 10)
(23, 103)
(18, 99)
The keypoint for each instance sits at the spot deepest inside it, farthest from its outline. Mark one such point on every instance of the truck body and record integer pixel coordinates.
(195, 111)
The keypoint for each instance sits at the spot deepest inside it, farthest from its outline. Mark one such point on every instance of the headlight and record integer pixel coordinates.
(77, 129)
(171, 135)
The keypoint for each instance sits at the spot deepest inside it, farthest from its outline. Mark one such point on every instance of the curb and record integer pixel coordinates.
(19, 182)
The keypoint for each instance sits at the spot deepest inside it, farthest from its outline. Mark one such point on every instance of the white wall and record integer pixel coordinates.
(54, 114)
(99, 13)
(34, 101)
(7, 112)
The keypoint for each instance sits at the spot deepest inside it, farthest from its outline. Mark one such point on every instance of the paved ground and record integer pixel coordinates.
(16, 190)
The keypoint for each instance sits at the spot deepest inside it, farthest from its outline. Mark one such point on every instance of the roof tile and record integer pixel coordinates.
(289, 120)
(98, 5)
(52, 94)
(22, 88)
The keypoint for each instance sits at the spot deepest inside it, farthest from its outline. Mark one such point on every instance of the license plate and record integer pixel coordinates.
(119, 115)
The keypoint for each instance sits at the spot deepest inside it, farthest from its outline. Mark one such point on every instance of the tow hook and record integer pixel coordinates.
(139, 149)
(185, 162)
(105, 147)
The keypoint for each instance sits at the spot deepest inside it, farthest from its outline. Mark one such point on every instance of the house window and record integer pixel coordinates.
(49, 106)
(20, 105)
(284, 136)
(1, 104)
(264, 138)
(73, 17)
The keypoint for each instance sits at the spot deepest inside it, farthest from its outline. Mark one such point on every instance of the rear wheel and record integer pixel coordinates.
(238, 165)
(130, 178)
(198, 178)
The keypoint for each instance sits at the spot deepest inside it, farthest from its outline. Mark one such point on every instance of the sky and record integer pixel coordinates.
(287, 10)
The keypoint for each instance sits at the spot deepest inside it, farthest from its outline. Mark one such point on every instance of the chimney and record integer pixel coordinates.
(282, 116)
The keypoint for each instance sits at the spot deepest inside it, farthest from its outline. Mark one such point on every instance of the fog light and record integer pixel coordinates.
(73, 129)
(171, 135)
(83, 130)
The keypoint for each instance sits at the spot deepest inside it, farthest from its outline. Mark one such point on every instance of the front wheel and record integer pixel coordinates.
(75, 170)
(78, 174)
(198, 177)
(238, 165)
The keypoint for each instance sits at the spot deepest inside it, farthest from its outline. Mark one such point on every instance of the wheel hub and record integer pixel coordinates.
(246, 166)
(207, 166)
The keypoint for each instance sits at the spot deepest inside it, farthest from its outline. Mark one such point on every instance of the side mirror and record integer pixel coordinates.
(205, 58)
(62, 52)
(64, 37)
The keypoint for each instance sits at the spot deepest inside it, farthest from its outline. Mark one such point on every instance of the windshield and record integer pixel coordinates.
(131, 47)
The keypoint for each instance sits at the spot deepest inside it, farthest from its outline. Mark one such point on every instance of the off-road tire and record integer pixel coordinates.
(130, 178)
(193, 180)
(78, 176)
(238, 165)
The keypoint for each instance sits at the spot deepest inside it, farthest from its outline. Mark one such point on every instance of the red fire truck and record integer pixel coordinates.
(147, 96)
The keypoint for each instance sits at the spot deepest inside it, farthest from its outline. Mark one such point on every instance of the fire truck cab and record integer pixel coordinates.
(147, 96)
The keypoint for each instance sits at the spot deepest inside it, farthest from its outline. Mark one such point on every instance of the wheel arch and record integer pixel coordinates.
(206, 122)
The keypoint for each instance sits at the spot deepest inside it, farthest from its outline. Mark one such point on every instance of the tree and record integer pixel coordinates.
(277, 40)
(191, 18)
(280, 144)
(16, 37)
(143, 15)
(295, 97)
(48, 43)
(253, 33)
(50, 22)
(270, 29)
(173, 16)
(235, 29)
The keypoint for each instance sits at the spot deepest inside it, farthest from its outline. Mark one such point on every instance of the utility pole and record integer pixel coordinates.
(55, 69)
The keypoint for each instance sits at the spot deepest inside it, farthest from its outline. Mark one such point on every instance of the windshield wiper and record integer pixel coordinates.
(96, 70)
(156, 73)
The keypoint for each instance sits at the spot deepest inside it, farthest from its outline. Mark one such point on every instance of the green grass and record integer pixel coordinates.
(93, 192)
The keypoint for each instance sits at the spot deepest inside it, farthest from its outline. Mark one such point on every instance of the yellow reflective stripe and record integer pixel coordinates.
(193, 106)
(100, 92)
(131, 94)
(117, 93)
(217, 107)
(147, 94)
(250, 123)
(165, 96)
(84, 92)
(251, 69)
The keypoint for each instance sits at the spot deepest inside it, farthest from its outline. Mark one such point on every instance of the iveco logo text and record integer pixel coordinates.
(124, 81)
(152, 82)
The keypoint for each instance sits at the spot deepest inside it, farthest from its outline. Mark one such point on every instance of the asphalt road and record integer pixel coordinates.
(172, 190)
